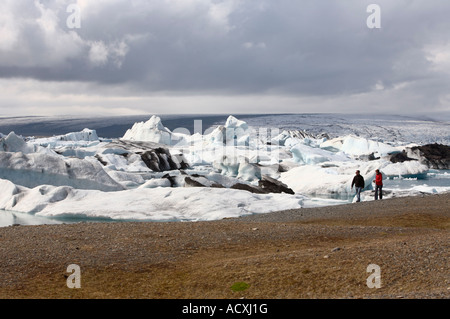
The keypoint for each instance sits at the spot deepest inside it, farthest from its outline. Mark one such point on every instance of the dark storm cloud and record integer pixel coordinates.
(306, 48)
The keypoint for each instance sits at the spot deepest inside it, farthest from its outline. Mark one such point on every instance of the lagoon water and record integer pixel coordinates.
(10, 218)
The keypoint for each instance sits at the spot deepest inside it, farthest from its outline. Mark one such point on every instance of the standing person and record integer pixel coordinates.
(358, 181)
(378, 184)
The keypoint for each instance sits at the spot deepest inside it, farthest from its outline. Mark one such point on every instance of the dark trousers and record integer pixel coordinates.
(378, 191)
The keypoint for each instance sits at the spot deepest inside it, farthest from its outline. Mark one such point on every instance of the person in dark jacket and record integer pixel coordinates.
(358, 182)
(378, 184)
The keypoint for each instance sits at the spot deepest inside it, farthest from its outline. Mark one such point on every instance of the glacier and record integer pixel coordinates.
(153, 173)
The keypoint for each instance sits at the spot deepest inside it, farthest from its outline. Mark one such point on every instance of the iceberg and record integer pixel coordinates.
(336, 177)
(410, 168)
(418, 190)
(84, 135)
(358, 146)
(234, 123)
(85, 138)
(15, 143)
(151, 131)
(234, 133)
(35, 169)
(156, 204)
(292, 137)
(315, 180)
(305, 154)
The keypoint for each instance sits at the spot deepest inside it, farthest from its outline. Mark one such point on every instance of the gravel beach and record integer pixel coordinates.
(305, 253)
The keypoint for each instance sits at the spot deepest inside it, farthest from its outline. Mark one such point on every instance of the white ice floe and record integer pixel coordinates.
(404, 169)
(292, 137)
(238, 167)
(37, 169)
(305, 154)
(130, 163)
(425, 189)
(85, 138)
(411, 191)
(357, 146)
(336, 177)
(14, 143)
(311, 179)
(157, 204)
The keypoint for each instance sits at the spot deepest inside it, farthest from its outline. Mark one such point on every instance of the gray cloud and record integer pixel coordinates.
(297, 49)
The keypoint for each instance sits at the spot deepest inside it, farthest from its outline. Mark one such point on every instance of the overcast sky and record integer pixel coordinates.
(223, 56)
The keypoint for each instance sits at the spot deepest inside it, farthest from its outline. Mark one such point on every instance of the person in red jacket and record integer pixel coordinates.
(378, 184)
